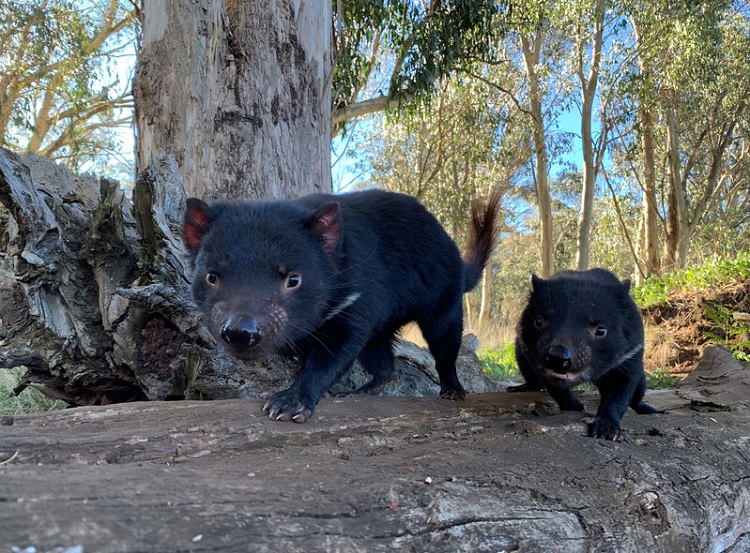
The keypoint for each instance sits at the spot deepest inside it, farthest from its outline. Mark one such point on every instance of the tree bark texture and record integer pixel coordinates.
(95, 298)
(531, 52)
(649, 213)
(239, 93)
(590, 169)
(497, 472)
(677, 225)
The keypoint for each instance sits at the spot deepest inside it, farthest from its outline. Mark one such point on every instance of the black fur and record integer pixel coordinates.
(333, 278)
(583, 326)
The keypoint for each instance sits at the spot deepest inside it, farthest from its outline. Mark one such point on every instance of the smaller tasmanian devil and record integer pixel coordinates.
(332, 279)
(582, 326)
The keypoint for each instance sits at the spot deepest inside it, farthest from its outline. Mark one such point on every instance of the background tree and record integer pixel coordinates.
(391, 54)
(648, 238)
(681, 55)
(531, 47)
(60, 95)
(589, 28)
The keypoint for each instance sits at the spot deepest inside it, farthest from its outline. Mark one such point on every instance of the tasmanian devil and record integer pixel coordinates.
(583, 326)
(332, 279)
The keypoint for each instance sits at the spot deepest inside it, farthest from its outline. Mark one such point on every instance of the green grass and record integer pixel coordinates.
(661, 378)
(657, 289)
(28, 401)
(500, 364)
(726, 329)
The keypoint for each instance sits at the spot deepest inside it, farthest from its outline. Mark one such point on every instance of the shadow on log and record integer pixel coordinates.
(497, 472)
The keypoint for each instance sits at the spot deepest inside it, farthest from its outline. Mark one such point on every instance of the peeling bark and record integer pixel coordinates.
(239, 94)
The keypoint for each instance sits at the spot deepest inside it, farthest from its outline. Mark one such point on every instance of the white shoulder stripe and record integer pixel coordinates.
(346, 302)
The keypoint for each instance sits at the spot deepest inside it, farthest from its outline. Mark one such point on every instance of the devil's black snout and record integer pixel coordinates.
(241, 332)
(558, 358)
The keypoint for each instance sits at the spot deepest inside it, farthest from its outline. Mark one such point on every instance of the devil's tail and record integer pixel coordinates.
(482, 238)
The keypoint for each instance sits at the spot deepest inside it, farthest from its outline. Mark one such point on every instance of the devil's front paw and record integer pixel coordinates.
(608, 429)
(288, 405)
(454, 393)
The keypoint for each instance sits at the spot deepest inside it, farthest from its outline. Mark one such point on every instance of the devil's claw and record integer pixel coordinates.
(288, 405)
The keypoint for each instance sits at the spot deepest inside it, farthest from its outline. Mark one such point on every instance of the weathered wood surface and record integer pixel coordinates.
(239, 93)
(497, 472)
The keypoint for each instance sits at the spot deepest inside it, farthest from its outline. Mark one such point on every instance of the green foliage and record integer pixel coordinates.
(60, 94)
(660, 378)
(727, 331)
(402, 48)
(500, 364)
(446, 156)
(656, 290)
(28, 401)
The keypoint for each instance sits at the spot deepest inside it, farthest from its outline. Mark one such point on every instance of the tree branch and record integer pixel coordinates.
(365, 107)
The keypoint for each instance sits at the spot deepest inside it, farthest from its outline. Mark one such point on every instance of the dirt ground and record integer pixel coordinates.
(676, 331)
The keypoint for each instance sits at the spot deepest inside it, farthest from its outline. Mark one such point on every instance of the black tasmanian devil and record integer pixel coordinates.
(583, 326)
(333, 278)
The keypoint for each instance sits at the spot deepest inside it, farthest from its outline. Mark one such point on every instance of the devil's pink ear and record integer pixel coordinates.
(326, 223)
(197, 222)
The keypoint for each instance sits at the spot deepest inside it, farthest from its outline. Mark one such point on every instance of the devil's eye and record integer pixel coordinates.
(600, 331)
(212, 278)
(293, 280)
(539, 322)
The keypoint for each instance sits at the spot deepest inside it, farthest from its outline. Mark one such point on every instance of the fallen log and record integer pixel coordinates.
(497, 472)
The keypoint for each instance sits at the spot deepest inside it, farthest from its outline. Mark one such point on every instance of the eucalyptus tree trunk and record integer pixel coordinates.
(677, 226)
(588, 92)
(239, 93)
(531, 47)
(649, 239)
(649, 214)
(486, 294)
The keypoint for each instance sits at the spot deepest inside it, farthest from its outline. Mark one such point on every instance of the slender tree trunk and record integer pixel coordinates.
(484, 307)
(677, 223)
(650, 216)
(588, 89)
(469, 312)
(531, 53)
(239, 93)
(649, 236)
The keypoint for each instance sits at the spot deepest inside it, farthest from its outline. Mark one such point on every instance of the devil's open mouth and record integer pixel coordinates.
(565, 379)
